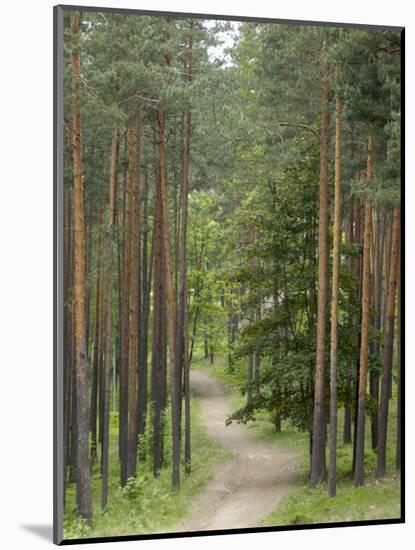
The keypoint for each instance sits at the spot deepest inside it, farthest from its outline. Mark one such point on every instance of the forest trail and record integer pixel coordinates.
(246, 488)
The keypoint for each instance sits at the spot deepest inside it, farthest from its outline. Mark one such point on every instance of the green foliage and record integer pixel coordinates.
(134, 490)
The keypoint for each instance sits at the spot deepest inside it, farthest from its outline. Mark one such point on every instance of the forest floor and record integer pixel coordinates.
(242, 475)
(376, 500)
(246, 488)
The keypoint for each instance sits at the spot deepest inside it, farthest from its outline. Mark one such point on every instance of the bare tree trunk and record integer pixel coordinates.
(68, 330)
(388, 351)
(88, 256)
(74, 418)
(318, 451)
(399, 400)
(120, 214)
(359, 229)
(145, 287)
(93, 410)
(364, 345)
(108, 319)
(183, 313)
(135, 312)
(374, 377)
(125, 311)
(175, 370)
(83, 477)
(157, 342)
(347, 428)
(335, 302)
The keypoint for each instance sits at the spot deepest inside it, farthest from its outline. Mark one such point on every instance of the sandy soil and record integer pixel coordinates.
(247, 487)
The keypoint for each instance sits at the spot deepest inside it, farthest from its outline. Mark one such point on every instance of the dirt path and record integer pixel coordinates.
(247, 487)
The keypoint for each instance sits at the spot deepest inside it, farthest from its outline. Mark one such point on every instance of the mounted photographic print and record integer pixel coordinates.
(227, 275)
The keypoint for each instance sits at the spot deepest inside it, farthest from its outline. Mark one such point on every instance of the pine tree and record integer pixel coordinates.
(364, 344)
(83, 478)
(335, 304)
(318, 448)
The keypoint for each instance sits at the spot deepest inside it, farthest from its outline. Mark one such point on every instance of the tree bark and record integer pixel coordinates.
(145, 287)
(318, 451)
(157, 339)
(388, 350)
(74, 419)
(357, 265)
(135, 311)
(335, 302)
(175, 370)
(374, 377)
(183, 313)
(125, 311)
(347, 428)
(399, 400)
(93, 411)
(108, 318)
(364, 345)
(68, 331)
(83, 481)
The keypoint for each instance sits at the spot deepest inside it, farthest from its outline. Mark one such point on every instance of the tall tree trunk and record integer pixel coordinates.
(145, 287)
(157, 341)
(374, 377)
(120, 214)
(108, 319)
(358, 321)
(74, 416)
(175, 368)
(399, 400)
(67, 373)
(183, 313)
(318, 451)
(135, 312)
(163, 360)
(386, 267)
(101, 365)
(364, 344)
(347, 428)
(83, 476)
(388, 350)
(335, 302)
(93, 411)
(125, 311)
(88, 256)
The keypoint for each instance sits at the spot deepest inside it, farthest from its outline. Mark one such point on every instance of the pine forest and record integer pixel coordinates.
(232, 260)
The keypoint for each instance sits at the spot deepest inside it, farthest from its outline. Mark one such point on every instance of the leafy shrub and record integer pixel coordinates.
(134, 489)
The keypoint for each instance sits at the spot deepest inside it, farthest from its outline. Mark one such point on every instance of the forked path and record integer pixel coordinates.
(246, 488)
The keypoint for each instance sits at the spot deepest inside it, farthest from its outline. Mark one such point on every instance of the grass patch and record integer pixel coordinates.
(376, 500)
(147, 505)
